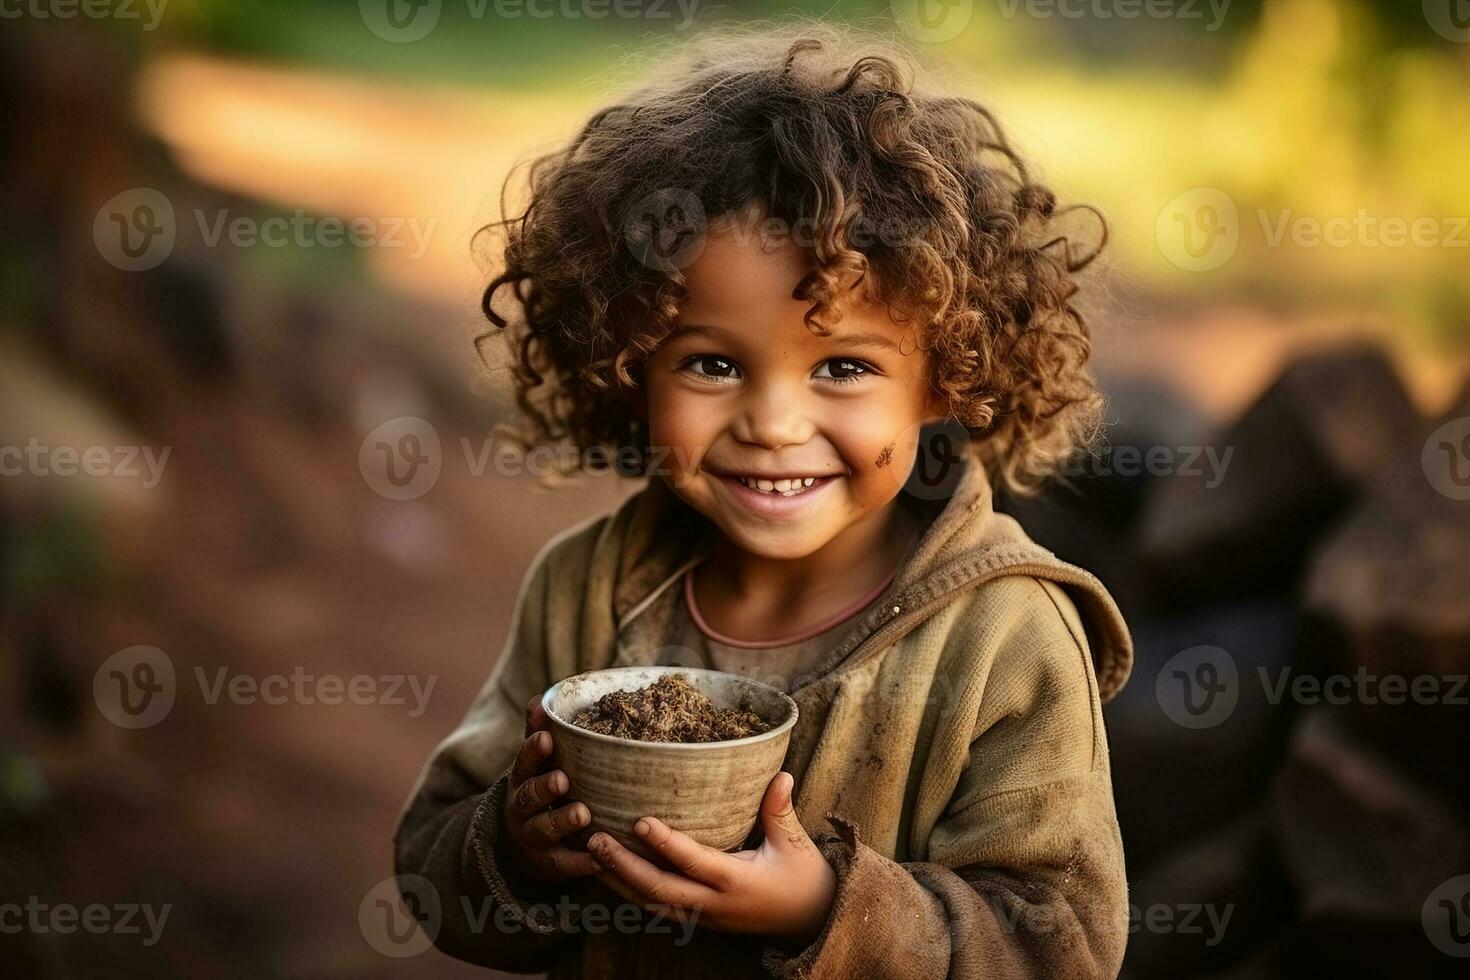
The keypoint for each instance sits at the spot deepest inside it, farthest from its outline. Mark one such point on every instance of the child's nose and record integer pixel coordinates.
(773, 415)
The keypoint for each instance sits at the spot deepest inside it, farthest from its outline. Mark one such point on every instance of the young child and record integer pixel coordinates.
(764, 278)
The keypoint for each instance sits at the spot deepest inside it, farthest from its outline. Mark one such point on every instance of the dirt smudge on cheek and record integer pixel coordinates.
(885, 457)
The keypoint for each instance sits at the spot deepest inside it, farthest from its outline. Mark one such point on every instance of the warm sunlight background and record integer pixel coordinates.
(1301, 112)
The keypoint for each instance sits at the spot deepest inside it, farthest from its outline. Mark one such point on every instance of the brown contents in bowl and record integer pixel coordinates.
(668, 710)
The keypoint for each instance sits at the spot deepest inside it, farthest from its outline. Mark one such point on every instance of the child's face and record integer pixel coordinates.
(741, 386)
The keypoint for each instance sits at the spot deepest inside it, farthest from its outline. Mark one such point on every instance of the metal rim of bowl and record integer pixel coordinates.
(775, 732)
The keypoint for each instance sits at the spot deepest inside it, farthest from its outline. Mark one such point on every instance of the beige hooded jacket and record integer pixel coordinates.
(951, 764)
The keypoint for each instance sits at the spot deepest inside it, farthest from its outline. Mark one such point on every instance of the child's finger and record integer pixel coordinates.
(530, 758)
(552, 825)
(650, 884)
(561, 863)
(678, 913)
(535, 715)
(703, 864)
(537, 793)
(615, 885)
(779, 821)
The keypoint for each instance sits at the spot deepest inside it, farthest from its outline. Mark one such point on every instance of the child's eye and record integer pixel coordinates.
(720, 365)
(848, 372)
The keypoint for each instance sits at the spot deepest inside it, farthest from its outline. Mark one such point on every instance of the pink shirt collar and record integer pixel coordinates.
(851, 610)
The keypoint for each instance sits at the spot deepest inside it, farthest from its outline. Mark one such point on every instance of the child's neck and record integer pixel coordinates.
(757, 598)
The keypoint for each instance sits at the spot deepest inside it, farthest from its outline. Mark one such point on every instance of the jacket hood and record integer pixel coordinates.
(965, 543)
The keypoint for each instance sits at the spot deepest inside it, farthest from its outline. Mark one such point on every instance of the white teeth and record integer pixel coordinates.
(785, 487)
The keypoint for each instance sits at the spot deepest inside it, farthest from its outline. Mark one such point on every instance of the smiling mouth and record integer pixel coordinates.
(797, 497)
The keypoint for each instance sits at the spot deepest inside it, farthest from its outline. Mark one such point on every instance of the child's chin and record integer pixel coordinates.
(778, 543)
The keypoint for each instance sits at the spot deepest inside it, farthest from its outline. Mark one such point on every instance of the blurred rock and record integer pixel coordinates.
(1301, 453)
(1089, 519)
(1364, 848)
(1327, 877)
(1174, 782)
(1393, 580)
(1235, 880)
(1388, 596)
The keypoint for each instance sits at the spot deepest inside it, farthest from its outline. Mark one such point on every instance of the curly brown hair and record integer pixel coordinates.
(818, 125)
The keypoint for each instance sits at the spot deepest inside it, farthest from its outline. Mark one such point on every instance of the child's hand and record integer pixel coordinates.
(783, 888)
(533, 831)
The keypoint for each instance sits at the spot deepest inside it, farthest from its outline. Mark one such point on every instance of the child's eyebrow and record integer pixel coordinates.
(874, 341)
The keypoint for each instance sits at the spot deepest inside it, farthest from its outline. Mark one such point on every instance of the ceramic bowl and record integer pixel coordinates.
(709, 790)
